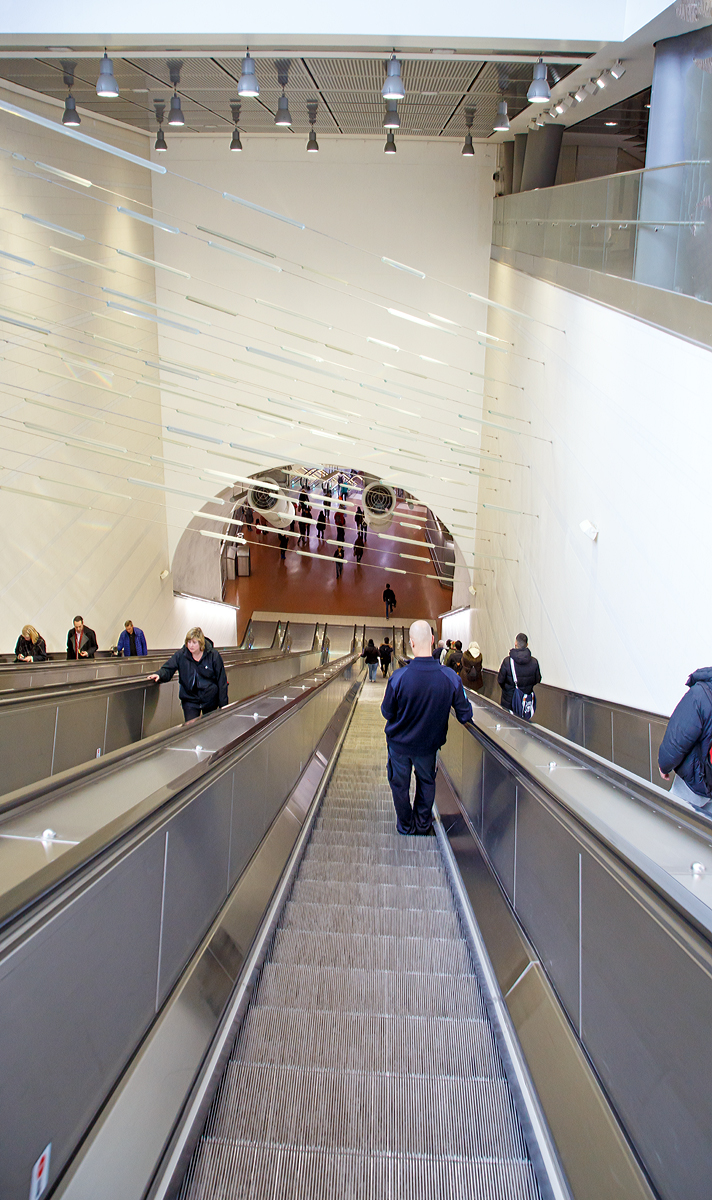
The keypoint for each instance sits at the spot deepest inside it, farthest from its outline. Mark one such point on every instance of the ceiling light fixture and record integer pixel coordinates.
(235, 143)
(390, 146)
(501, 123)
(581, 94)
(312, 144)
(468, 149)
(391, 119)
(70, 116)
(160, 142)
(248, 87)
(617, 70)
(603, 79)
(539, 91)
(393, 87)
(175, 116)
(282, 117)
(106, 85)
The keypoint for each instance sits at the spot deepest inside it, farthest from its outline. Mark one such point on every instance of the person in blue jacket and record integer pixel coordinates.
(417, 707)
(687, 742)
(132, 641)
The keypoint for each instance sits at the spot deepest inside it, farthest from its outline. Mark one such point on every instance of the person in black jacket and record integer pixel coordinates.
(370, 654)
(30, 646)
(417, 707)
(201, 673)
(687, 742)
(525, 666)
(389, 599)
(385, 653)
(81, 640)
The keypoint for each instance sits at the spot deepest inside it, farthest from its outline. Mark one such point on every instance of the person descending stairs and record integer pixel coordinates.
(366, 1066)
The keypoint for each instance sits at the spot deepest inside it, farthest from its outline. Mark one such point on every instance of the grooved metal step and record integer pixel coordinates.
(366, 1066)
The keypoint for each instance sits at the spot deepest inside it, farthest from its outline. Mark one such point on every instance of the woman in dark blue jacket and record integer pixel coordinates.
(201, 673)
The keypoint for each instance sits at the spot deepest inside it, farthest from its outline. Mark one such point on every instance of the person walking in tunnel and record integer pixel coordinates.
(471, 670)
(339, 556)
(340, 523)
(685, 748)
(370, 656)
(358, 547)
(283, 543)
(389, 599)
(519, 672)
(320, 526)
(132, 641)
(416, 706)
(453, 658)
(201, 675)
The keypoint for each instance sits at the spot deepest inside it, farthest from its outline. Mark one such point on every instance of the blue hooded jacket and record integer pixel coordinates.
(688, 736)
(123, 646)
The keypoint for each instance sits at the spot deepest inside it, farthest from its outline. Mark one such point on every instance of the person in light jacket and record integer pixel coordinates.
(201, 673)
(132, 641)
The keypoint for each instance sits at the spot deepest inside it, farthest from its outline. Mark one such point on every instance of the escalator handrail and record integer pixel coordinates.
(58, 872)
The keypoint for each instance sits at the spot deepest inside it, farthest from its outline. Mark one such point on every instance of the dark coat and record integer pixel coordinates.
(200, 682)
(123, 645)
(389, 595)
(370, 654)
(689, 733)
(417, 706)
(88, 643)
(471, 671)
(385, 652)
(528, 674)
(38, 649)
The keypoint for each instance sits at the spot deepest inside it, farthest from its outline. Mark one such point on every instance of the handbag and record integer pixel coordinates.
(523, 703)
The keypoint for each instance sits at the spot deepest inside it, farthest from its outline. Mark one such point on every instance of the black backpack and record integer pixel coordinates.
(455, 663)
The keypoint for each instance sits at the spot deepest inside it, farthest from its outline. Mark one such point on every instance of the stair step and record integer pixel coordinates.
(441, 956)
(411, 899)
(375, 920)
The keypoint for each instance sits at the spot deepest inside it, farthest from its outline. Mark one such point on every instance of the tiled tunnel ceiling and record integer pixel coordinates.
(348, 92)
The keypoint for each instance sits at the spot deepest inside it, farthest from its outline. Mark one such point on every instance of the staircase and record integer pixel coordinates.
(366, 1067)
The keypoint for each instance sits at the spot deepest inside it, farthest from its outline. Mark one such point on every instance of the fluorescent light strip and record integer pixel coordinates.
(128, 212)
(55, 127)
(118, 345)
(90, 262)
(291, 363)
(70, 233)
(26, 262)
(226, 237)
(151, 262)
(263, 483)
(245, 257)
(25, 325)
(162, 487)
(73, 438)
(161, 366)
(217, 516)
(404, 316)
(203, 437)
(56, 408)
(388, 345)
(445, 320)
(206, 304)
(290, 313)
(87, 183)
(266, 212)
(39, 496)
(133, 312)
(222, 537)
(302, 353)
(399, 266)
(151, 304)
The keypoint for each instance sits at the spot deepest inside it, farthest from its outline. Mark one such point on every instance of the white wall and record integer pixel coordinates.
(623, 412)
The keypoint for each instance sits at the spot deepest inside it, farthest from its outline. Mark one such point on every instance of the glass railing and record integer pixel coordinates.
(653, 226)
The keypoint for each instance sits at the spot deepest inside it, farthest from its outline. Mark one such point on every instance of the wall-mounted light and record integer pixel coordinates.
(539, 92)
(248, 87)
(393, 88)
(106, 85)
(589, 529)
(617, 70)
(164, 574)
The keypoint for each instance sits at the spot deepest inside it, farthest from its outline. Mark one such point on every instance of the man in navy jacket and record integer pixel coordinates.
(417, 707)
(132, 641)
(687, 740)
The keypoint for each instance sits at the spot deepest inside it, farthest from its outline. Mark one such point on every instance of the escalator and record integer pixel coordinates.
(366, 1064)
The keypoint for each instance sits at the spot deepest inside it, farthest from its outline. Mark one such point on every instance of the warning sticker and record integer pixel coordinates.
(40, 1174)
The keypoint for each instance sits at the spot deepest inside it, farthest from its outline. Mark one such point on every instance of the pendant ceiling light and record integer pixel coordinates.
(393, 87)
(175, 116)
(391, 119)
(160, 142)
(468, 149)
(106, 85)
(248, 87)
(70, 116)
(501, 121)
(235, 143)
(390, 146)
(539, 92)
(312, 144)
(282, 116)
